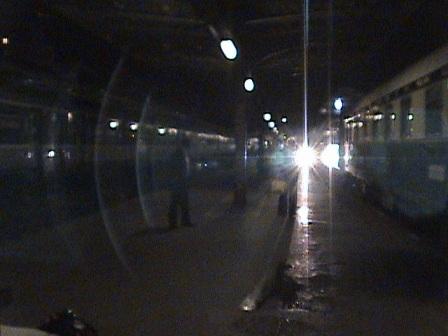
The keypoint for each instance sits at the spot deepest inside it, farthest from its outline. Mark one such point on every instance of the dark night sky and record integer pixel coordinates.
(372, 41)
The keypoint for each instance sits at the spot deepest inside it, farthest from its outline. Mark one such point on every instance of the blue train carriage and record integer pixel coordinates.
(146, 145)
(396, 140)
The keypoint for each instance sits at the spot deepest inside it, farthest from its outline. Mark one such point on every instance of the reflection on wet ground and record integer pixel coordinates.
(356, 272)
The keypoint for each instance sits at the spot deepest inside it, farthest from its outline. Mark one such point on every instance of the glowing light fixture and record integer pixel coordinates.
(5, 40)
(249, 84)
(410, 117)
(338, 104)
(113, 124)
(267, 116)
(133, 126)
(228, 48)
(330, 156)
(51, 153)
(69, 116)
(271, 124)
(161, 130)
(393, 116)
(378, 116)
(284, 120)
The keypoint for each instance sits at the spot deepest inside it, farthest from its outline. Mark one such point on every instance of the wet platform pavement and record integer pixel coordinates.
(355, 271)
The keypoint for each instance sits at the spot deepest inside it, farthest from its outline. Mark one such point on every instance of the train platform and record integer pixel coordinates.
(355, 270)
(350, 269)
(126, 276)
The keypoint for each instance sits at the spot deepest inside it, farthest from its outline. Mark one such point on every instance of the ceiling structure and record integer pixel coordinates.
(354, 46)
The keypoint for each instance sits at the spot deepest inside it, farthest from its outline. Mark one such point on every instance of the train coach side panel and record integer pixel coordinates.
(417, 177)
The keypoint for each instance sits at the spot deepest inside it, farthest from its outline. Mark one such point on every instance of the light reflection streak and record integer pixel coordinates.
(303, 218)
(303, 211)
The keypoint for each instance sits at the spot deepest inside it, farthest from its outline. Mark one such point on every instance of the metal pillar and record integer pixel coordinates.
(240, 104)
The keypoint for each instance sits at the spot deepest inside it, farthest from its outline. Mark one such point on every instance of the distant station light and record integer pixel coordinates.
(330, 156)
(378, 116)
(305, 156)
(393, 116)
(51, 153)
(69, 116)
(284, 120)
(271, 124)
(338, 104)
(267, 116)
(133, 126)
(228, 48)
(5, 40)
(410, 117)
(249, 84)
(161, 130)
(113, 124)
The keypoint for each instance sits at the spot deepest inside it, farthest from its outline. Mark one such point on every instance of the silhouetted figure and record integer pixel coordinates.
(180, 167)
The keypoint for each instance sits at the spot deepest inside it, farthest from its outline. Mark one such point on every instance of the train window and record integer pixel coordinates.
(406, 123)
(433, 108)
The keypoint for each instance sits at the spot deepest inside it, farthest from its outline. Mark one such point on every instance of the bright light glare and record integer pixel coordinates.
(249, 84)
(271, 124)
(5, 40)
(51, 153)
(330, 156)
(305, 156)
(113, 124)
(303, 213)
(229, 50)
(410, 116)
(133, 126)
(338, 104)
(284, 120)
(267, 116)
(161, 130)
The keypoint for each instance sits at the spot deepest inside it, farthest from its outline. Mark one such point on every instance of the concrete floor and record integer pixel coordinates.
(356, 270)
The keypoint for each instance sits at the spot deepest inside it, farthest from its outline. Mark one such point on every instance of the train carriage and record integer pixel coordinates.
(397, 139)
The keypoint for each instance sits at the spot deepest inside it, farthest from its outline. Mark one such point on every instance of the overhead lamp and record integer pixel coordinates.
(249, 84)
(133, 126)
(228, 48)
(113, 124)
(338, 104)
(267, 116)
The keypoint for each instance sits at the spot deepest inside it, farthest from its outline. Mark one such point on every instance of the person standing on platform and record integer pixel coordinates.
(180, 168)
